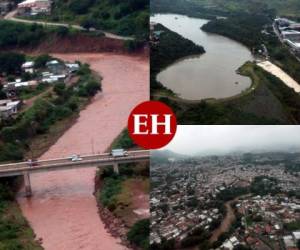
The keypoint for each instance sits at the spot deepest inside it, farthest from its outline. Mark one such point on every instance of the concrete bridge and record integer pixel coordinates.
(87, 161)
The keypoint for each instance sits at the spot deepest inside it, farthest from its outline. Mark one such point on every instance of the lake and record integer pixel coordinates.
(211, 75)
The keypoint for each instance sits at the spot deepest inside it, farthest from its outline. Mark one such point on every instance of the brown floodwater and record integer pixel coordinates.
(63, 211)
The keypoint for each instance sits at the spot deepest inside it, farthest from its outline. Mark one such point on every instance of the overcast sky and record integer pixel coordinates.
(205, 140)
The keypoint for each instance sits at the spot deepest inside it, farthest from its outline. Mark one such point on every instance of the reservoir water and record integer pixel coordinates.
(211, 75)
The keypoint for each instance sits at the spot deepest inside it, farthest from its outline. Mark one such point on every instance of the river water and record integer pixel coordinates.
(211, 75)
(63, 211)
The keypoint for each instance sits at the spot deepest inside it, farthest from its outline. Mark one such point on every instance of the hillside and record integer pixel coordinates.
(220, 7)
(128, 18)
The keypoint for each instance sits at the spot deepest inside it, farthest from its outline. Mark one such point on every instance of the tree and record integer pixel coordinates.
(139, 233)
(11, 62)
(41, 61)
(92, 87)
(241, 247)
(80, 6)
(59, 89)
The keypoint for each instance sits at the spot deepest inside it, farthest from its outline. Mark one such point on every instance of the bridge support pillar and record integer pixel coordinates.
(116, 168)
(27, 184)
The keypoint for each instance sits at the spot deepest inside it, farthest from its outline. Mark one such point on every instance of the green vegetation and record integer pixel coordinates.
(232, 193)
(196, 237)
(240, 27)
(10, 62)
(58, 105)
(118, 193)
(280, 104)
(123, 141)
(292, 226)
(261, 185)
(14, 34)
(111, 188)
(271, 102)
(246, 28)
(27, 93)
(122, 17)
(15, 233)
(139, 234)
(211, 8)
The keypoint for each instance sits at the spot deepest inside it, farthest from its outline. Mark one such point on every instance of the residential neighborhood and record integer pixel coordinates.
(32, 80)
(256, 190)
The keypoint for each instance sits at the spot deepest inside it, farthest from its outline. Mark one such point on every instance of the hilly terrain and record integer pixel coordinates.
(289, 8)
(128, 18)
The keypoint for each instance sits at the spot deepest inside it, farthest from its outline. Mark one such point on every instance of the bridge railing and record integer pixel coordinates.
(85, 159)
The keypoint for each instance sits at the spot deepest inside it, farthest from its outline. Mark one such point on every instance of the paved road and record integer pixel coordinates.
(62, 163)
(11, 17)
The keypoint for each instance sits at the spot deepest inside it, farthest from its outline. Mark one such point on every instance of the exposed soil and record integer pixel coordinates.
(79, 43)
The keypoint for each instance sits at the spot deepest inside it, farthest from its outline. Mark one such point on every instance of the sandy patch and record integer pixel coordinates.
(276, 71)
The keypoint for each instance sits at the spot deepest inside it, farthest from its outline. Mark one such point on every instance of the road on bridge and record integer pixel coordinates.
(17, 169)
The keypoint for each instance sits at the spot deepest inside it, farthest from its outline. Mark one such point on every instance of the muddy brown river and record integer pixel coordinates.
(63, 211)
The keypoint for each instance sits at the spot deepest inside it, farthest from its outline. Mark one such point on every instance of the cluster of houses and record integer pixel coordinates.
(27, 7)
(34, 7)
(173, 218)
(289, 32)
(267, 216)
(54, 71)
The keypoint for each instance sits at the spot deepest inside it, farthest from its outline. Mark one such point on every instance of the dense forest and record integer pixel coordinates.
(210, 8)
(122, 17)
(14, 35)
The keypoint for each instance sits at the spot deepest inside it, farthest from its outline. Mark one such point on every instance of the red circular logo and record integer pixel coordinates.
(152, 124)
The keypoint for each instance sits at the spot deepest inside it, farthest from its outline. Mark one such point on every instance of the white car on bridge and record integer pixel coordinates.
(119, 152)
(75, 158)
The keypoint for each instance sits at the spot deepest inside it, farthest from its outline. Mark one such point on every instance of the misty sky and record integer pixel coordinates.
(205, 140)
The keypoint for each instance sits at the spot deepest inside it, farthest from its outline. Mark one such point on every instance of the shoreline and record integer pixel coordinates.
(160, 93)
(53, 189)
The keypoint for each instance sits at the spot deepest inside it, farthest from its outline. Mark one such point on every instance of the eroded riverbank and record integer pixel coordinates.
(63, 210)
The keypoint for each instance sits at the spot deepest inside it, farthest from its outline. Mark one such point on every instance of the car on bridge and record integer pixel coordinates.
(32, 162)
(118, 153)
(75, 158)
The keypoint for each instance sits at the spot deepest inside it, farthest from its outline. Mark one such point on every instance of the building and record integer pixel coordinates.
(295, 46)
(34, 7)
(56, 67)
(9, 108)
(73, 67)
(28, 67)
